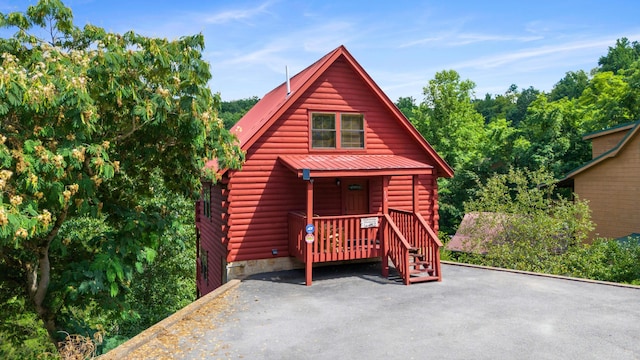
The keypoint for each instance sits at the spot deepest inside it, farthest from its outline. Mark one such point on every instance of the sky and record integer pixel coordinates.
(401, 44)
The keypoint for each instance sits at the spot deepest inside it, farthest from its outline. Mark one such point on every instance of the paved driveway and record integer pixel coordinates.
(350, 312)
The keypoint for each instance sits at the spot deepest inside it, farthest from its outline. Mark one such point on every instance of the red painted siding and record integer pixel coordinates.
(327, 199)
(212, 239)
(264, 191)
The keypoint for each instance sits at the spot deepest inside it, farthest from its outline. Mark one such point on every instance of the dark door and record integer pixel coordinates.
(355, 196)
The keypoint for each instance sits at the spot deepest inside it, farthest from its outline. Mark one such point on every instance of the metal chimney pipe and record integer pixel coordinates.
(286, 70)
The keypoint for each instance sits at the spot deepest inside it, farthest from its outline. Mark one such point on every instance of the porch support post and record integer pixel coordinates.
(385, 229)
(416, 194)
(308, 258)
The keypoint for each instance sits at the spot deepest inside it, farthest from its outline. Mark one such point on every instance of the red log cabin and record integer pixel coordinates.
(333, 172)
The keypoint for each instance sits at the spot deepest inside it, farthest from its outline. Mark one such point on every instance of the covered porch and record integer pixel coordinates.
(354, 232)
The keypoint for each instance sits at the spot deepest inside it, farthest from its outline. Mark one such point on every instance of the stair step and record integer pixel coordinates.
(418, 279)
(419, 256)
(421, 271)
(420, 263)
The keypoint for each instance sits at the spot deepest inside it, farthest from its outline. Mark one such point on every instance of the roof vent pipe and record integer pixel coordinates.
(286, 70)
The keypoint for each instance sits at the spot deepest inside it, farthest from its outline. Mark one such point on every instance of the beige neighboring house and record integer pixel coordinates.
(611, 181)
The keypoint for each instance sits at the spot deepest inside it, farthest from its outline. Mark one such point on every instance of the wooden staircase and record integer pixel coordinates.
(412, 246)
(420, 269)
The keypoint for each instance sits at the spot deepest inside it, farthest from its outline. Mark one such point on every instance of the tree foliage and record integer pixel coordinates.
(448, 119)
(620, 57)
(407, 105)
(86, 117)
(524, 128)
(533, 225)
(232, 111)
(537, 231)
(570, 86)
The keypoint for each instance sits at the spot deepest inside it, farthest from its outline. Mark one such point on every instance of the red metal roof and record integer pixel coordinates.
(248, 128)
(354, 165)
(257, 120)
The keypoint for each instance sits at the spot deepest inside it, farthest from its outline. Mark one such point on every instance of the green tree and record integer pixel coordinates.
(498, 150)
(632, 98)
(620, 57)
(570, 86)
(512, 105)
(448, 119)
(494, 107)
(407, 106)
(86, 117)
(606, 102)
(232, 111)
(550, 137)
(524, 99)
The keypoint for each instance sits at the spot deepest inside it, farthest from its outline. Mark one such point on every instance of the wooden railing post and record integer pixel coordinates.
(308, 259)
(385, 226)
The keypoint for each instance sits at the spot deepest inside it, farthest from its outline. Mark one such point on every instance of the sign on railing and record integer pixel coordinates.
(369, 222)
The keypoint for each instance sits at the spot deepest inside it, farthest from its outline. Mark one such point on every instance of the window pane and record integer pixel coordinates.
(323, 122)
(352, 131)
(352, 122)
(323, 131)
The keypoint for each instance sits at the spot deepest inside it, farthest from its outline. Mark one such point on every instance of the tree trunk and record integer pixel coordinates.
(38, 278)
(38, 286)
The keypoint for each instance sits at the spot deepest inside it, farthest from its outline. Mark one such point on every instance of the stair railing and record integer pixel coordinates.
(398, 249)
(418, 235)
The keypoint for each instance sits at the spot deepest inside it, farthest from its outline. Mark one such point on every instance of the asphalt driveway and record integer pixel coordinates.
(350, 312)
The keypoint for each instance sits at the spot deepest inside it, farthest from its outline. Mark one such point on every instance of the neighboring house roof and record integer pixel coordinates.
(608, 131)
(632, 128)
(472, 237)
(258, 120)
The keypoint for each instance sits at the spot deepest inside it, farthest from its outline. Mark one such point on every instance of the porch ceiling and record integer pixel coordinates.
(354, 165)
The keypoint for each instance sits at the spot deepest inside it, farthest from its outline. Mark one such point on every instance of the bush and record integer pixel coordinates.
(605, 259)
(531, 225)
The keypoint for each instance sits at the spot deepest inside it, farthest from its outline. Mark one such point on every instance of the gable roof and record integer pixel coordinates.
(258, 120)
(632, 128)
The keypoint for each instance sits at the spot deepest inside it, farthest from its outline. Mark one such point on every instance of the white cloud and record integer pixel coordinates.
(459, 39)
(559, 50)
(234, 15)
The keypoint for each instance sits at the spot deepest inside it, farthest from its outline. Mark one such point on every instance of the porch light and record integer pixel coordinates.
(274, 252)
(337, 182)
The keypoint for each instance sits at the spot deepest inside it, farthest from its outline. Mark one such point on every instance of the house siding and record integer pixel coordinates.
(613, 191)
(264, 191)
(212, 239)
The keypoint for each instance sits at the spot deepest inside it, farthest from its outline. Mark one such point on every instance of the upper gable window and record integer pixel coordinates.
(352, 131)
(337, 131)
(323, 131)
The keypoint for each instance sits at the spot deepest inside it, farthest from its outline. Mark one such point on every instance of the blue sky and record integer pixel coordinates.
(401, 44)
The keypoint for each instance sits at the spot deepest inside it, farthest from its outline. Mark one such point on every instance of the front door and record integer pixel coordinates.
(355, 195)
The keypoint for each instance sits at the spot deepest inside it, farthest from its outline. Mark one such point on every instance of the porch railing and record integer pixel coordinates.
(418, 235)
(297, 222)
(354, 237)
(347, 237)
